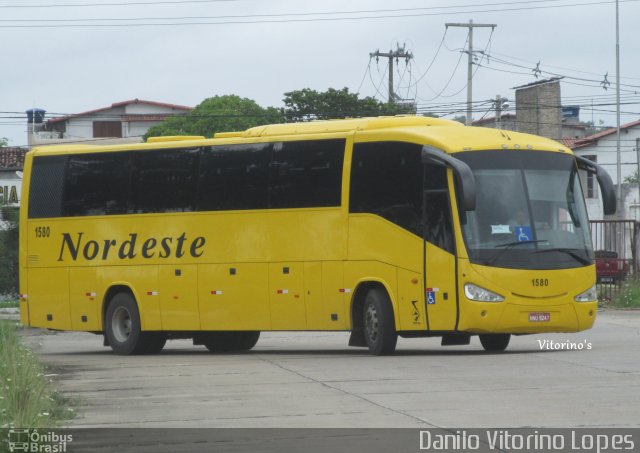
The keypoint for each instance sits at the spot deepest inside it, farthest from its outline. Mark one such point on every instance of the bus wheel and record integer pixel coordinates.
(379, 324)
(495, 342)
(123, 330)
(231, 341)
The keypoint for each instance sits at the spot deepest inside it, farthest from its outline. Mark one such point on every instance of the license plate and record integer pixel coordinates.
(539, 317)
(606, 279)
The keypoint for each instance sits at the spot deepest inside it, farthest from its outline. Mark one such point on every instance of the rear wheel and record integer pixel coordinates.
(230, 341)
(379, 323)
(123, 329)
(495, 342)
(122, 322)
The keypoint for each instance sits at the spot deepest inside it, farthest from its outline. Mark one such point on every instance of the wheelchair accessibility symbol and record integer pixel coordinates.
(523, 233)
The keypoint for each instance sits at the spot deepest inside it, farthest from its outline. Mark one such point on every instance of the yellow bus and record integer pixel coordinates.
(384, 227)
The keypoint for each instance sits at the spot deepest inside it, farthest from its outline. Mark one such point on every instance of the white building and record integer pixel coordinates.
(122, 122)
(602, 148)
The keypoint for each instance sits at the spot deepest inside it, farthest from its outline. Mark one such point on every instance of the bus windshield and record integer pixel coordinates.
(530, 212)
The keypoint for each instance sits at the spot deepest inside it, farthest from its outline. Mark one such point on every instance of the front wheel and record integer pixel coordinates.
(495, 342)
(379, 323)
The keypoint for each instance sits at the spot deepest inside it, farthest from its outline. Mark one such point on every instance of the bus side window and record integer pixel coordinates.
(439, 230)
(234, 177)
(164, 180)
(306, 174)
(97, 184)
(386, 180)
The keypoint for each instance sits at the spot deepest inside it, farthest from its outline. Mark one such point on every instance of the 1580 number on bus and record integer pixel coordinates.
(540, 282)
(43, 232)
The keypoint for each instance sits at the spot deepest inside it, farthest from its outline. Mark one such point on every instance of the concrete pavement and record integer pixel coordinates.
(314, 380)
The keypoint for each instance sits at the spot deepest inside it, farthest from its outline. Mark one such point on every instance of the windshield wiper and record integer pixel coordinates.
(571, 252)
(510, 245)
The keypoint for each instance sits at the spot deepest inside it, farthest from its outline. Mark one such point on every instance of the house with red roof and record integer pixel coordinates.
(602, 148)
(121, 122)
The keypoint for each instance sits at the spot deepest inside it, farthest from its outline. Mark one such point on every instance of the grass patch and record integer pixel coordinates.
(628, 296)
(9, 304)
(27, 398)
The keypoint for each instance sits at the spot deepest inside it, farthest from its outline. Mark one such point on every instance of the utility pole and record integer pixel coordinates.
(397, 54)
(470, 26)
(618, 151)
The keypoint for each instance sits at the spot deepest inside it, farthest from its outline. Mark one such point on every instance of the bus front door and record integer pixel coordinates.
(439, 250)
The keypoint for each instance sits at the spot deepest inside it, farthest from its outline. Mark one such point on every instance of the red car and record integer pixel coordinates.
(610, 268)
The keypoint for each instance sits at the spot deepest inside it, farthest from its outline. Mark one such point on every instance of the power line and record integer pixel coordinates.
(266, 20)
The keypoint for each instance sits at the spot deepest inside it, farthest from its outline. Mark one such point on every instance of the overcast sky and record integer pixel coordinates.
(67, 58)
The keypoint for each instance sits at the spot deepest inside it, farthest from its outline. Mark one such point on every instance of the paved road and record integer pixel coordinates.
(315, 380)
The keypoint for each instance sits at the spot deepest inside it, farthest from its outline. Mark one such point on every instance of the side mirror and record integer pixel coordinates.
(462, 172)
(604, 181)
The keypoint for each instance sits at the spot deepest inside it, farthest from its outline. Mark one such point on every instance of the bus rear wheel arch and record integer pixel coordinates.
(123, 330)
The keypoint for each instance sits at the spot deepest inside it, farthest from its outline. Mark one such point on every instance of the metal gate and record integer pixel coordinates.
(615, 243)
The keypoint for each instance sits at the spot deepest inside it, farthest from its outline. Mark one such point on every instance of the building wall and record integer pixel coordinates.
(538, 110)
(605, 150)
(10, 187)
(80, 129)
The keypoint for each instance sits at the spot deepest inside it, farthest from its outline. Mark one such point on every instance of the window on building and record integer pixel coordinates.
(589, 182)
(107, 129)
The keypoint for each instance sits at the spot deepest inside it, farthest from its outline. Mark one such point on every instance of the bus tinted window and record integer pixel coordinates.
(97, 184)
(234, 177)
(386, 180)
(46, 183)
(164, 181)
(306, 174)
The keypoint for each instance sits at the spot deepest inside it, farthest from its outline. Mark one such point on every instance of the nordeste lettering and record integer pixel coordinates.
(130, 248)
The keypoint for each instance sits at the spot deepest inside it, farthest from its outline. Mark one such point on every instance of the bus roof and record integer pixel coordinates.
(448, 135)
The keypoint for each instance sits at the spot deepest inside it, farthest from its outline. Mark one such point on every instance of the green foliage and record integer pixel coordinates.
(9, 251)
(629, 295)
(3, 141)
(308, 104)
(217, 114)
(632, 179)
(27, 399)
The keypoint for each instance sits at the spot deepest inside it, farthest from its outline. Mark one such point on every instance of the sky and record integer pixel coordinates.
(67, 56)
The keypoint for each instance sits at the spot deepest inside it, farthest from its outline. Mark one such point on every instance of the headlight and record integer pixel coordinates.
(474, 292)
(590, 295)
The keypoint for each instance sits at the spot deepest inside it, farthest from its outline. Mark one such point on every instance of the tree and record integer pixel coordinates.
(217, 114)
(308, 104)
(9, 250)
(632, 179)
(3, 142)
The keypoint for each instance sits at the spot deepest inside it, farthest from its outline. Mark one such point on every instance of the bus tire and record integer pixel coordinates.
(155, 342)
(231, 341)
(123, 329)
(496, 342)
(379, 323)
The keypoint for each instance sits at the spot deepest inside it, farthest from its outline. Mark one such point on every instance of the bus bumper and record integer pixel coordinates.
(504, 317)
